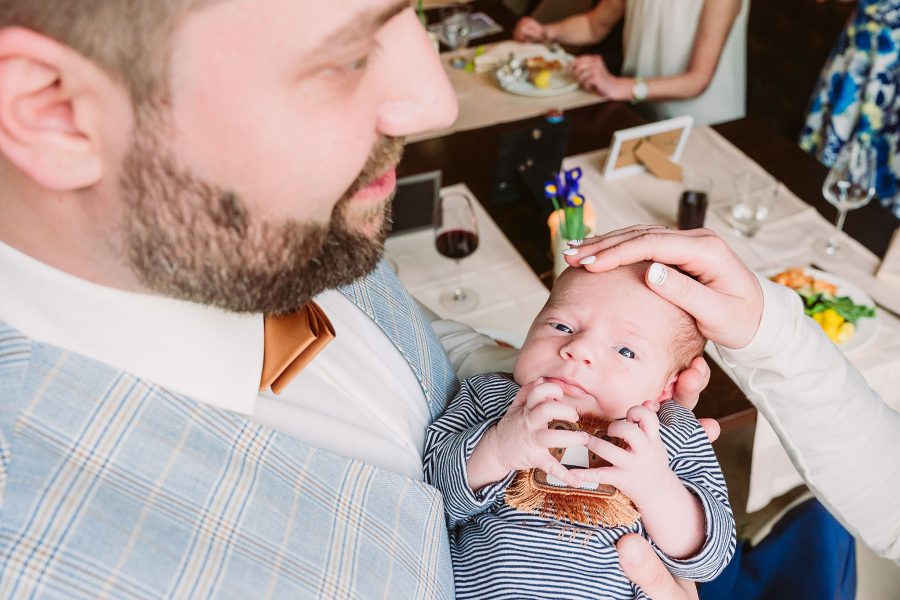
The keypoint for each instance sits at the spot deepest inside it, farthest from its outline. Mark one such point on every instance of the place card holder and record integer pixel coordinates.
(889, 270)
(655, 147)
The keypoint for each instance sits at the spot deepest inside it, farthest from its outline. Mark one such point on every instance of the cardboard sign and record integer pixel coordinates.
(656, 143)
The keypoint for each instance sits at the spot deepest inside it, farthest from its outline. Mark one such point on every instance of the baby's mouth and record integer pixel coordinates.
(569, 387)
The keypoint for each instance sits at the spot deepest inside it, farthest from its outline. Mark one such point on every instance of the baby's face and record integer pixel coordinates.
(605, 339)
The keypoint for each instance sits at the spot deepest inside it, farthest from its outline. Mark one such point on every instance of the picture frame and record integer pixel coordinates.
(414, 202)
(669, 136)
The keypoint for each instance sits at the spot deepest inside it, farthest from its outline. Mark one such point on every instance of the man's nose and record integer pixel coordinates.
(419, 96)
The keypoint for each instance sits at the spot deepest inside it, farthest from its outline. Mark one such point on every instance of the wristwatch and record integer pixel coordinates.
(639, 90)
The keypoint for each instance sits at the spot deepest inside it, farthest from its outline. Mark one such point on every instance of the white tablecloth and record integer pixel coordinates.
(510, 294)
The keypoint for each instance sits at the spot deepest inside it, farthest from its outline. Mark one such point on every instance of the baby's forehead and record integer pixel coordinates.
(580, 290)
(576, 281)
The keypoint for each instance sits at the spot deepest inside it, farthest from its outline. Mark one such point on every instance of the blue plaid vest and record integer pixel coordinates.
(114, 487)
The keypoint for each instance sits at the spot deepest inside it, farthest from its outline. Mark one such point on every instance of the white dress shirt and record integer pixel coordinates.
(358, 398)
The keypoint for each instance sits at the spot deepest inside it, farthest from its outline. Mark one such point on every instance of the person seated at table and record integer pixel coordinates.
(856, 97)
(686, 56)
(604, 348)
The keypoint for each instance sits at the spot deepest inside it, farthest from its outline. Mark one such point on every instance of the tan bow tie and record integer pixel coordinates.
(291, 342)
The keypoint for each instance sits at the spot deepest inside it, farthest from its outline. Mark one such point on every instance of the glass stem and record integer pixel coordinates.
(458, 294)
(834, 243)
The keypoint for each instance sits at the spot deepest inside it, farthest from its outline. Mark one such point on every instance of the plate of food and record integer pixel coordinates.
(537, 75)
(845, 312)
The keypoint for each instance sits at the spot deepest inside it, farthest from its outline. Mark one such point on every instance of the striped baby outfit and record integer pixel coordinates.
(500, 552)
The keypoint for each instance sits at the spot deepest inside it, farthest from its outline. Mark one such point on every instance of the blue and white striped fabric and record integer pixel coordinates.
(114, 487)
(500, 552)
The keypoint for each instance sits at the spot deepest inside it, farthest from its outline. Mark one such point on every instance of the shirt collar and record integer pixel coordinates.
(202, 352)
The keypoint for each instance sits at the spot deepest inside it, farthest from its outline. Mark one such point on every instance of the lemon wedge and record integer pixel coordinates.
(541, 79)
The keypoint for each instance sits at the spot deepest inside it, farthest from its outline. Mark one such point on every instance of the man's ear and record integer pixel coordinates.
(54, 105)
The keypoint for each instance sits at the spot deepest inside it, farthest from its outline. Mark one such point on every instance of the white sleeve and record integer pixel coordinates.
(843, 439)
(471, 353)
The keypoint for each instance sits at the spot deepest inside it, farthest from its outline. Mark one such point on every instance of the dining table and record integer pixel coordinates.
(513, 269)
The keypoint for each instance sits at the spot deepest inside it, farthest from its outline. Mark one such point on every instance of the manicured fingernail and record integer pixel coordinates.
(657, 274)
(570, 251)
(587, 260)
(576, 242)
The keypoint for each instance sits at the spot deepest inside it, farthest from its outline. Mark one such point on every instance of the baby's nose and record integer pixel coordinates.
(580, 357)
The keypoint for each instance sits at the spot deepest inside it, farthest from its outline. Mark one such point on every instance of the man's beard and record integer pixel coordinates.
(190, 239)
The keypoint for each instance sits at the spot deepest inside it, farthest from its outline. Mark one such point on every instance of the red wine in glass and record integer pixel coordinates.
(456, 237)
(456, 243)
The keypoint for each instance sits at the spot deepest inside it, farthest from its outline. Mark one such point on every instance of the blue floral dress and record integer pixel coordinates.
(858, 95)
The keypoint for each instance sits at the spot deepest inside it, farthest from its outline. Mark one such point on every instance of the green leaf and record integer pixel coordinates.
(843, 305)
(574, 222)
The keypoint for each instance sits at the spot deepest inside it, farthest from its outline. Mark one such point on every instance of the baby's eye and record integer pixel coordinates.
(626, 352)
(561, 327)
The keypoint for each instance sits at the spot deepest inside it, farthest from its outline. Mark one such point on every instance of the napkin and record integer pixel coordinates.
(889, 271)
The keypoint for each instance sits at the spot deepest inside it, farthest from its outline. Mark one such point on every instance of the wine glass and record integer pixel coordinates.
(850, 184)
(455, 30)
(456, 237)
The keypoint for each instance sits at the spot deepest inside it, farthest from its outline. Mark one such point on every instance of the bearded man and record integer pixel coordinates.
(171, 172)
(193, 200)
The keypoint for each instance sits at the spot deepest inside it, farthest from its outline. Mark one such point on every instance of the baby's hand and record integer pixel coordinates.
(522, 437)
(642, 470)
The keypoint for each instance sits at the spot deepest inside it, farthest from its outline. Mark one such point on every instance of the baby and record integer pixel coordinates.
(604, 346)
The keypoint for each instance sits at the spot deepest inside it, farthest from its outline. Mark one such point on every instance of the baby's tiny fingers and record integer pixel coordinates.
(630, 432)
(525, 390)
(607, 451)
(552, 467)
(552, 411)
(561, 438)
(645, 418)
(542, 392)
(598, 475)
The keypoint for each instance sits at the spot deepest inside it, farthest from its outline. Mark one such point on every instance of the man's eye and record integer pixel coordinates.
(561, 327)
(626, 352)
(357, 65)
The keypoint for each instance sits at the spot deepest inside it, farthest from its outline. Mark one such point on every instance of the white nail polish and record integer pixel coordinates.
(576, 242)
(587, 260)
(570, 251)
(657, 274)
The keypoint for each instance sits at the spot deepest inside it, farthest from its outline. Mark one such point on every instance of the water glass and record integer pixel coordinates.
(751, 203)
(455, 29)
(850, 184)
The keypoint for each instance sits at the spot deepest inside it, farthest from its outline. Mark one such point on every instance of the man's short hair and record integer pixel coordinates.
(129, 39)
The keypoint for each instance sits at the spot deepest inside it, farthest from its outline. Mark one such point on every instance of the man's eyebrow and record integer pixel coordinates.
(364, 23)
